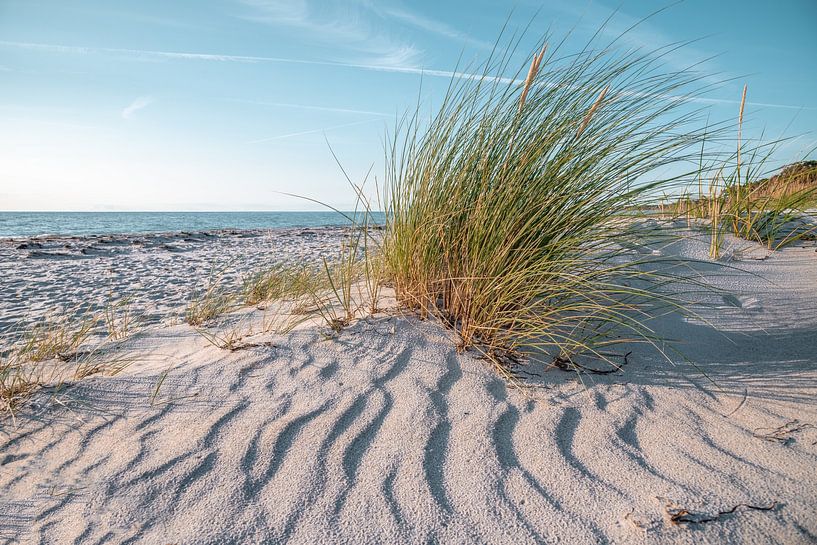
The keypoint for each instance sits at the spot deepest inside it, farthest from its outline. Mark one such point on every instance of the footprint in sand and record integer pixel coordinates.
(639, 248)
(742, 301)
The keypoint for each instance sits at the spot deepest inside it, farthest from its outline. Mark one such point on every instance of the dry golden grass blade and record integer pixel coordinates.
(592, 111)
(532, 71)
(740, 124)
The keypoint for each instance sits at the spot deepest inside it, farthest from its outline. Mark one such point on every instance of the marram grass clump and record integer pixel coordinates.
(510, 211)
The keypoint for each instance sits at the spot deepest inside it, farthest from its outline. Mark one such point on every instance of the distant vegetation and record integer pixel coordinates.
(794, 178)
(770, 211)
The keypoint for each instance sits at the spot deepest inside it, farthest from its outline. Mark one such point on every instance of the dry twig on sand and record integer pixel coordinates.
(782, 434)
(677, 515)
(566, 363)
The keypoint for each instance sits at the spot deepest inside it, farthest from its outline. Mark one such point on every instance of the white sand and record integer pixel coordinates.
(386, 434)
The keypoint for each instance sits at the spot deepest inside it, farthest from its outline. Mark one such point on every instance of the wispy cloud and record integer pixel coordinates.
(426, 72)
(638, 32)
(347, 27)
(135, 106)
(217, 57)
(432, 26)
(310, 131)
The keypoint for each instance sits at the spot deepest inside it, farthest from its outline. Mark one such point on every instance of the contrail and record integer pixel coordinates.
(312, 131)
(284, 60)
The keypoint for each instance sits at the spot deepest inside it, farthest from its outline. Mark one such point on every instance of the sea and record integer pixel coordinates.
(28, 224)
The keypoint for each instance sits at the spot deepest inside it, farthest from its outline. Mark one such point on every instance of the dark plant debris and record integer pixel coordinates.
(784, 434)
(566, 363)
(678, 515)
(247, 346)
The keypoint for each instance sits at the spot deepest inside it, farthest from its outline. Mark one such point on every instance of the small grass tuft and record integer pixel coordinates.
(17, 383)
(280, 281)
(52, 352)
(210, 303)
(119, 319)
(53, 337)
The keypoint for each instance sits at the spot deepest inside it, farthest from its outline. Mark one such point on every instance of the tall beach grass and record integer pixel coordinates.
(510, 211)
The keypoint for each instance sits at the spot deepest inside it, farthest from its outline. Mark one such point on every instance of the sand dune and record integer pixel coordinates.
(385, 434)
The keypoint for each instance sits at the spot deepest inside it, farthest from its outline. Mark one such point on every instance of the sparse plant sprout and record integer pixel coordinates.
(155, 393)
(342, 275)
(280, 281)
(119, 319)
(337, 297)
(211, 305)
(101, 361)
(714, 210)
(263, 285)
(225, 339)
(331, 307)
(284, 318)
(373, 269)
(232, 336)
(212, 302)
(326, 291)
(17, 383)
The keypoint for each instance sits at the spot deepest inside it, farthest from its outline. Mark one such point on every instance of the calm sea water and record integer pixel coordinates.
(17, 224)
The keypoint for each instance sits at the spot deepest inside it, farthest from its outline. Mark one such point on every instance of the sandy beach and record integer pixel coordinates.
(158, 273)
(385, 433)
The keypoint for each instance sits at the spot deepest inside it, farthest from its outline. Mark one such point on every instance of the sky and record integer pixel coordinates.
(228, 104)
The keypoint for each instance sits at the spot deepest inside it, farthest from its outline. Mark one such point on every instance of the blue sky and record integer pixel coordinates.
(222, 104)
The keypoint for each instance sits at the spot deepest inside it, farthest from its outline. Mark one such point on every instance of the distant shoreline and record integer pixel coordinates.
(162, 236)
(54, 224)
